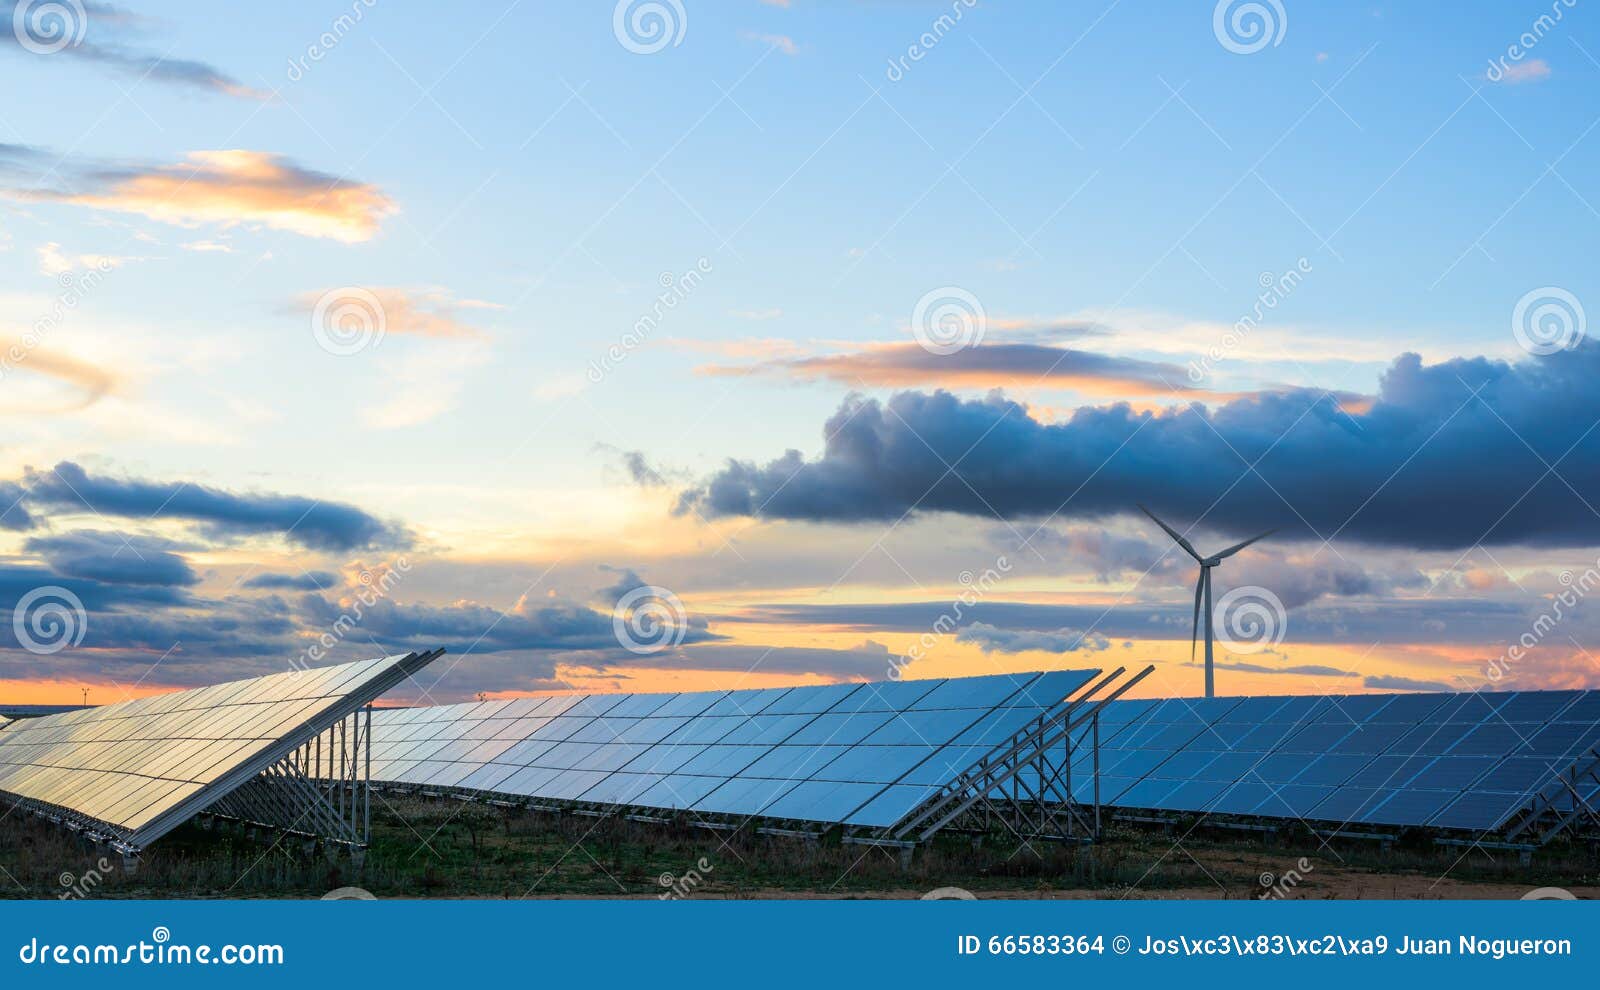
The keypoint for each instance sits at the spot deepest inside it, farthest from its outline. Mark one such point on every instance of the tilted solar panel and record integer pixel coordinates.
(136, 769)
(854, 754)
(1449, 761)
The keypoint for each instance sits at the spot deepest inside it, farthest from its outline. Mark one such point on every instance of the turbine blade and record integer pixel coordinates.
(1200, 586)
(1240, 546)
(1176, 536)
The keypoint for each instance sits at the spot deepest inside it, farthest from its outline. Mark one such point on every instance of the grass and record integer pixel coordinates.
(423, 848)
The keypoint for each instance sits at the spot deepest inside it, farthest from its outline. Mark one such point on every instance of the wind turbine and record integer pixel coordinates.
(1202, 588)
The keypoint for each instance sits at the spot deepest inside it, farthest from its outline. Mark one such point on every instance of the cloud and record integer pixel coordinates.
(1533, 70)
(424, 383)
(986, 366)
(638, 467)
(627, 580)
(781, 42)
(1458, 621)
(991, 639)
(869, 660)
(114, 558)
(13, 514)
(96, 20)
(464, 627)
(1393, 682)
(90, 382)
(54, 263)
(309, 581)
(223, 187)
(1447, 456)
(309, 522)
(1298, 670)
(426, 312)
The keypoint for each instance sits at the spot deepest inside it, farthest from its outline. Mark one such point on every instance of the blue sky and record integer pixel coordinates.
(1106, 178)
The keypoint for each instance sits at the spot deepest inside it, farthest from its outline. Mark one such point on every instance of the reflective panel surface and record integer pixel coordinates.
(126, 765)
(858, 754)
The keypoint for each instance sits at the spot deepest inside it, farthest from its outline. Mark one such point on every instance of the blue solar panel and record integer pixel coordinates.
(856, 753)
(1445, 760)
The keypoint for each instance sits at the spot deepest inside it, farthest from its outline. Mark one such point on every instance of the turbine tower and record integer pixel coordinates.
(1202, 588)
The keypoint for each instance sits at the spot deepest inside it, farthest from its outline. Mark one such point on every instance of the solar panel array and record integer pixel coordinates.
(131, 766)
(1447, 761)
(854, 754)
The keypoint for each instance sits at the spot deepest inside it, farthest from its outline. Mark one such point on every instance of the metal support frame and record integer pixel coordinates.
(1560, 804)
(1025, 782)
(321, 790)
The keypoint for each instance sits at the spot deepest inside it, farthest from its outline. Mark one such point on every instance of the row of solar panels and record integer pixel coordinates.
(854, 754)
(131, 765)
(1447, 761)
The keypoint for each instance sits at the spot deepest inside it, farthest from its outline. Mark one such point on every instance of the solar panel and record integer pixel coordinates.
(137, 769)
(1450, 761)
(858, 754)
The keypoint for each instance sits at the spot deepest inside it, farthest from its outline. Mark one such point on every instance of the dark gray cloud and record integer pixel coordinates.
(991, 639)
(114, 558)
(13, 514)
(1446, 456)
(627, 581)
(1393, 682)
(869, 660)
(309, 522)
(472, 627)
(17, 581)
(1298, 670)
(1364, 622)
(97, 31)
(308, 581)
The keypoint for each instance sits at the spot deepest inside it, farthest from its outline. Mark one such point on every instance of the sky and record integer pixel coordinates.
(691, 345)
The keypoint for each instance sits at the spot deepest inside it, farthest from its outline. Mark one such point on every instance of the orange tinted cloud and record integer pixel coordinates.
(230, 187)
(986, 366)
(90, 381)
(426, 312)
